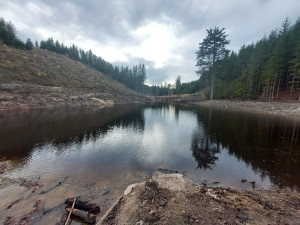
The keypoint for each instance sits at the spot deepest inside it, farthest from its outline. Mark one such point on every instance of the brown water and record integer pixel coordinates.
(103, 150)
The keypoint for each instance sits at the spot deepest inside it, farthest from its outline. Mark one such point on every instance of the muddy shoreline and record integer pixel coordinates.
(284, 109)
(27, 96)
(159, 199)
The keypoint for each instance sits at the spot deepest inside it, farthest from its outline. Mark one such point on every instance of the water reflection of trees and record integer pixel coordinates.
(22, 132)
(203, 147)
(204, 151)
(269, 144)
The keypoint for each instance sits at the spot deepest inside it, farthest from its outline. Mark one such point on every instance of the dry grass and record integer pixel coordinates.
(51, 69)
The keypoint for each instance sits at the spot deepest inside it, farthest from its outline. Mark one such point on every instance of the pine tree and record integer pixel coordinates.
(178, 85)
(211, 49)
(294, 70)
(28, 44)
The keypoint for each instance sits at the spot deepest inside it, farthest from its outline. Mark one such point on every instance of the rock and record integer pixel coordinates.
(129, 189)
(162, 202)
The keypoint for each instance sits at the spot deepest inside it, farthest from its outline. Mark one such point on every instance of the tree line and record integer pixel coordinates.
(134, 78)
(9, 37)
(264, 68)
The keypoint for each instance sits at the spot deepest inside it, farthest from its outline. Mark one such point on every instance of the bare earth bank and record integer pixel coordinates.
(26, 96)
(173, 199)
(291, 109)
(287, 109)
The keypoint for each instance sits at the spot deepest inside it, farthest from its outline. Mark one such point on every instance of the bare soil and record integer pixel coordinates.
(287, 107)
(24, 96)
(173, 199)
(43, 79)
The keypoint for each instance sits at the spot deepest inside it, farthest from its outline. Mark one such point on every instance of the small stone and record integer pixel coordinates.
(139, 223)
(162, 203)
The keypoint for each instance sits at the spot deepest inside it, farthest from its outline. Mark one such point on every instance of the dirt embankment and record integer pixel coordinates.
(173, 199)
(290, 109)
(276, 108)
(24, 96)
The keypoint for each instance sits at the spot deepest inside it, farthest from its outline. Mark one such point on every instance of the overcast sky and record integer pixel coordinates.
(163, 34)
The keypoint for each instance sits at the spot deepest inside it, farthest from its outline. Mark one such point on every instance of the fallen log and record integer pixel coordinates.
(71, 210)
(84, 205)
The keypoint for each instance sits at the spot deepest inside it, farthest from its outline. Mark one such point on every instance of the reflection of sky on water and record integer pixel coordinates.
(164, 141)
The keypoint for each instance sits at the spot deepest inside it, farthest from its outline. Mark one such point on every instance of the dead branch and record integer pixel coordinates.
(55, 186)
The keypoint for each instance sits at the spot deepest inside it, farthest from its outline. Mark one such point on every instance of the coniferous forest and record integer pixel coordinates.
(259, 70)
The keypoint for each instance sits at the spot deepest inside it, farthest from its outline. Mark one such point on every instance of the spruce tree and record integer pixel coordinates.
(28, 44)
(211, 49)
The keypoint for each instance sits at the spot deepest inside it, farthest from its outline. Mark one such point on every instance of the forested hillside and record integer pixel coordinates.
(36, 78)
(133, 78)
(261, 69)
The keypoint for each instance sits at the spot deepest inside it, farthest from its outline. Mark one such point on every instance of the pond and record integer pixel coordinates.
(113, 147)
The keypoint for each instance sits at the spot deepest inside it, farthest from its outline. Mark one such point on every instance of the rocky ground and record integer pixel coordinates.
(24, 96)
(288, 109)
(173, 199)
(291, 109)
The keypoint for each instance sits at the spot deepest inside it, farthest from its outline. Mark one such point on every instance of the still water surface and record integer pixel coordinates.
(108, 144)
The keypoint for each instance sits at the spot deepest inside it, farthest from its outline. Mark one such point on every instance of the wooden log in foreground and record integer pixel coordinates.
(70, 212)
(84, 205)
(83, 215)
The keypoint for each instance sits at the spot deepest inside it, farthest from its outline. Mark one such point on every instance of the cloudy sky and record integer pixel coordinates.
(163, 34)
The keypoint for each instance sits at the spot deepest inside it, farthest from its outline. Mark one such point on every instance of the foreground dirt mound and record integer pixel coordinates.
(173, 199)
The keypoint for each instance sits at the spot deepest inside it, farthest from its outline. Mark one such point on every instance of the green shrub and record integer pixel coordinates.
(238, 90)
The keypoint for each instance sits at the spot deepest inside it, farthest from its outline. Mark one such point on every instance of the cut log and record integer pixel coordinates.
(70, 212)
(84, 205)
(83, 215)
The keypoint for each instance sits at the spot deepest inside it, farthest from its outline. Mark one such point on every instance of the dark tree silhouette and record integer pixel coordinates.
(211, 50)
(28, 44)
